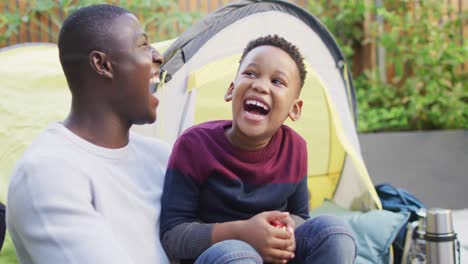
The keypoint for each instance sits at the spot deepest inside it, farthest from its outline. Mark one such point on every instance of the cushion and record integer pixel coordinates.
(374, 230)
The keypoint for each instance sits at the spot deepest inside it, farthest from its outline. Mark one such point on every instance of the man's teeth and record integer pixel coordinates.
(257, 103)
(154, 80)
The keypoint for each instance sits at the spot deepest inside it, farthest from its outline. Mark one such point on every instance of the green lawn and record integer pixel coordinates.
(8, 255)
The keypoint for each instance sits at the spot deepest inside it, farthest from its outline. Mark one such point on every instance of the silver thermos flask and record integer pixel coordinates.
(440, 237)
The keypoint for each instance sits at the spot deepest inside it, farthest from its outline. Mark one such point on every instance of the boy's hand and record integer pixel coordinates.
(275, 245)
(289, 225)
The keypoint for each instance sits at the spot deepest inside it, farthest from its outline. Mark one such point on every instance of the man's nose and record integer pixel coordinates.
(157, 57)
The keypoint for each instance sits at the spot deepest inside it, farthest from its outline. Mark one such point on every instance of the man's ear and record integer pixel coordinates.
(228, 95)
(296, 110)
(100, 63)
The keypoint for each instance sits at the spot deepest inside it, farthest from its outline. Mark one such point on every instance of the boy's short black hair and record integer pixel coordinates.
(85, 30)
(286, 46)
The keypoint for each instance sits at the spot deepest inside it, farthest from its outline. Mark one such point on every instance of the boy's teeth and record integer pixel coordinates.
(257, 103)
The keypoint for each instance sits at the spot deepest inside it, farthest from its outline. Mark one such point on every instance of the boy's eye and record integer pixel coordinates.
(278, 82)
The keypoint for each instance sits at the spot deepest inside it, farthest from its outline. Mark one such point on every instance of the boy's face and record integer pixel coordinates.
(136, 67)
(264, 93)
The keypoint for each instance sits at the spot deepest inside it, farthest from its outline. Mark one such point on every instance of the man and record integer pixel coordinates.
(87, 190)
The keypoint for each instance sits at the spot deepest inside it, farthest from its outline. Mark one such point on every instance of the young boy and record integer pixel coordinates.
(229, 183)
(88, 190)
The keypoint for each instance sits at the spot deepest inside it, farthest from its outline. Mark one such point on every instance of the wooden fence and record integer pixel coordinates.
(44, 29)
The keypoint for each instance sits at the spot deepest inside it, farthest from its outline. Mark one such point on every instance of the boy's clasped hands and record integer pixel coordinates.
(271, 234)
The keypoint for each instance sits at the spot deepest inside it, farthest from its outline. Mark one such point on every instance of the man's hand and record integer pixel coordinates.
(275, 245)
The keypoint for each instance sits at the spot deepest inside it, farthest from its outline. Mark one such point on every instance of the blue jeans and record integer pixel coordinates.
(230, 251)
(323, 239)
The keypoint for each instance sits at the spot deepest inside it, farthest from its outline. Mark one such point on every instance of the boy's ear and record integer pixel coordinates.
(296, 110)
(228, 95)
(100, 63)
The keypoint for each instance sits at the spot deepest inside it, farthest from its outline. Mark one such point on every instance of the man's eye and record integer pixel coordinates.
(250, 74)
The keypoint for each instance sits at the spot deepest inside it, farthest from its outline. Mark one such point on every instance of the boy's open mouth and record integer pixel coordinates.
(256, 107)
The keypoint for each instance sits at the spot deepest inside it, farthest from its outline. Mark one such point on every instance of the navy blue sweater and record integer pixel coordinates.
(210, 181)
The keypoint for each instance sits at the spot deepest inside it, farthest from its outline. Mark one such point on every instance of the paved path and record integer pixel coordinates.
(431, 165)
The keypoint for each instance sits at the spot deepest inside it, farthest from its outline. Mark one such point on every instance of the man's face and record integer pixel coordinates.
(136, 67)
(264, 92)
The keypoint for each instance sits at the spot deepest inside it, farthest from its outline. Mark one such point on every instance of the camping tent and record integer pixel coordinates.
(203, 60)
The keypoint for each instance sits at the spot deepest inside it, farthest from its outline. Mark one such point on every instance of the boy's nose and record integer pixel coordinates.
(157, 57)
(260, 85)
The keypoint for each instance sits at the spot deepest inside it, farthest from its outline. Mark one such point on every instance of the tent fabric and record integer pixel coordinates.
(32, 94)
(204, 59)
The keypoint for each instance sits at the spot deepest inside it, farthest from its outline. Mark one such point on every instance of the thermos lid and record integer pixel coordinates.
(439, 221)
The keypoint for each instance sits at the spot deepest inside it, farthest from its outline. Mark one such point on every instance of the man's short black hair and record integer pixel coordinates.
(286, 46)
(85, 30)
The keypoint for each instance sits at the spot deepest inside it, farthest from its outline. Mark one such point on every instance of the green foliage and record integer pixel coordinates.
(11, 22)
(424, 51)
(428, 89)
(344, 19)
(161, 18)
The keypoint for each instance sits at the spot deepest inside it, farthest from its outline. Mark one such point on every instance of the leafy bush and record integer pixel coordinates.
(344, 19)
(427, 88)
